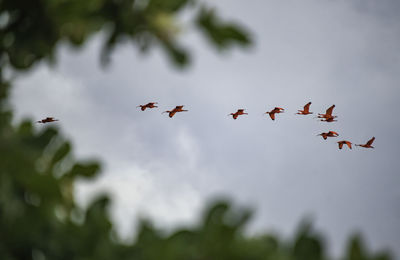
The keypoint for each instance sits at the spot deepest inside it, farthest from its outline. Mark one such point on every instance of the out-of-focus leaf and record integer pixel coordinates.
(44, 138)
(87, 170)
(307, 244)
(25, 128)
(179, 56)
(61, 152)
(220, 33)
(167, 5)
(45, 186)
(355, 250)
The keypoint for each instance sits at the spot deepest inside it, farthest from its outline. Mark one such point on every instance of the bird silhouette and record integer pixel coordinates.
(47, 120)
(368, 144)
(329, 134)
(172, 112)
(341, 143)
(328, 117)
(274, 111)
(148, 105)
(306, 110)
(238, 113)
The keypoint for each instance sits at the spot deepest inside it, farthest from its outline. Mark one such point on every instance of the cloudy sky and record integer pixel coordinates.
(342, 52)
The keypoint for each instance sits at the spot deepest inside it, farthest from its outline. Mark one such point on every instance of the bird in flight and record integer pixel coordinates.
(306, 110)
(328, 117)
(341, 143)
(368, 144)
(172, 112)
(238, 113)
(148, 105)
(329, 134)
(274, 111)
(47, 120)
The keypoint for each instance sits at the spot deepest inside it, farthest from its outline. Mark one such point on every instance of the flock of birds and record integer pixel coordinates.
(325, 117)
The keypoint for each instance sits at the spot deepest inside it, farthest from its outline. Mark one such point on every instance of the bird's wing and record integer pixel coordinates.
(240, 111)
(272, 115)
(371, 141)
(307, 107)
(334, 133)
(329, 110)
(179, 107)
(348, 144)
(340, 145)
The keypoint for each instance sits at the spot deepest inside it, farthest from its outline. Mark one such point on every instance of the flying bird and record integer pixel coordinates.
(274, 111)
(148, 105)
(306, 110)
(329, 134)
(47, 120)
(238, 113)
(368, 144)
(328, 115)
(172, 112)
(341, 143)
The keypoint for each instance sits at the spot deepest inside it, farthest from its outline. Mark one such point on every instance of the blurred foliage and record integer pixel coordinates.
(30, 31)
(39, 218)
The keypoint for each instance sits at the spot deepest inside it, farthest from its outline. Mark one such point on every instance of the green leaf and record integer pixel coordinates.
(88, 170)
(167, 5)
(220, 33)
(61, 152)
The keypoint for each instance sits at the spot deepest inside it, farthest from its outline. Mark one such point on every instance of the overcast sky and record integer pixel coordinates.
(342, 52)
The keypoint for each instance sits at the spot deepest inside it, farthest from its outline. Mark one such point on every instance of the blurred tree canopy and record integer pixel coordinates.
(30, 31)
(39, 217)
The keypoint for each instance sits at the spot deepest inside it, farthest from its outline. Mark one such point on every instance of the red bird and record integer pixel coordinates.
(238, 113)
(306, 110)
(47, 120)
(329, 134)
(341, 143)
(148, 105)
(274, 111)
(327, 117)
(368, 144)
(175, 110)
